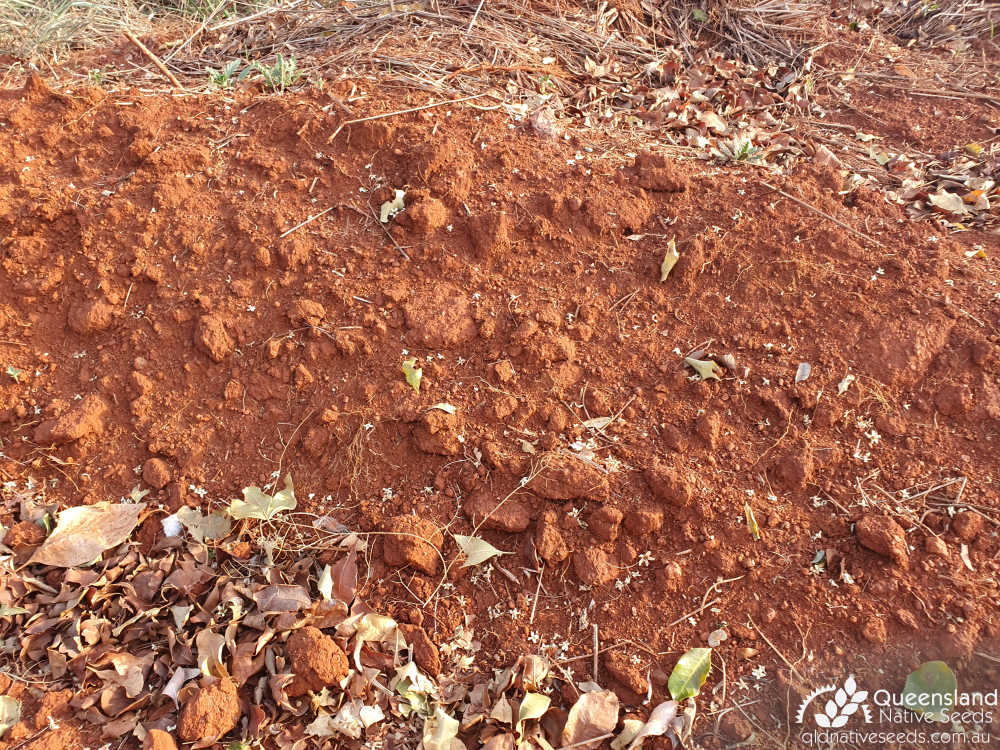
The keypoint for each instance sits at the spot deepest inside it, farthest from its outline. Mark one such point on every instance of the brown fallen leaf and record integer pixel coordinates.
(84, 532)
(282, 598)
(594, 714)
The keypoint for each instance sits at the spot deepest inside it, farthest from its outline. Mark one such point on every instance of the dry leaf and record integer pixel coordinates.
(751, 522)
(670, 259)
(390, 208)
(201, 527)
(657, 723)
(948, 202)
(593, 715)
(706, 368)
(210, 645)
(10, 713)
(282, 597)
(84, 532)
(476, 550)
(258, 504)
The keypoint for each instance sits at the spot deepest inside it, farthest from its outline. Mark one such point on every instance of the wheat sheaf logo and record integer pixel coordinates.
(844, 703)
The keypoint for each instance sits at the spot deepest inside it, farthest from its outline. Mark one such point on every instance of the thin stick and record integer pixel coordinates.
(581, 743)
(307, 221)
(775, 649)
(387, 233)
(475, 16)
(825, 215)
(596, 651)
(153, 58)
(682, 618)
(534, 602)
(400, 112)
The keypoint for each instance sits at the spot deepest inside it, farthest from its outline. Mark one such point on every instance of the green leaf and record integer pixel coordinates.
(413, 373)
(238, 745)
(690, 673)
(699, 15)
(8, 611)
(257, 504)
(10, 713)
(930, 689)
(670, 259)
(476, 550)
(707, 368)
(15, 373)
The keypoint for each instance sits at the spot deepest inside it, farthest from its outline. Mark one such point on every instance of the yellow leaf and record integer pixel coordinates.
(752, 522)
(669, 260)
(974, 148)
(413, 373)
(706, 368)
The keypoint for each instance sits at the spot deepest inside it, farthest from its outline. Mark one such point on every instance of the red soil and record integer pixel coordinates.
(171, 331)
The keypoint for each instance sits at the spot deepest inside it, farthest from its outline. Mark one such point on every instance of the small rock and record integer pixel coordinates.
(86, 318)
(643, 522)
(630, 675)
(593, 567)
(86, 419)
(157, 739)
(747, 652)
(954, 400)
(209, 713)
(668, 486)
(549, 542)
(567, 478)
(316, 660)
(874, 630)
(967, 525)
(412, 541)
(670, 577)
(935, 545)
(512, 516)
(599, 403)
(211, 337)
(604, 523)
(886, 537)
(306, 312)
(424, 652)
(156, 473)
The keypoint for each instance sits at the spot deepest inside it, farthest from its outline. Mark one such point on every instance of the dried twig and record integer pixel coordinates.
(153, 58)
(825, 215)
(303, 223)
(400, 112)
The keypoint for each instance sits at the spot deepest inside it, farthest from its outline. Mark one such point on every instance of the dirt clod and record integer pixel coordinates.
(425, 653)
(412, 541)
(91, 317)
(605, 522)
(549, 541)
(667, 484)
(626, 671)
(512, 516)
(593, 567)
(568, 478)
(156, 473)
(212, 338)
(967, 525)
(438, 432)
(440, 318)
(306, 312)
(209, 712)
(82, 421)
(157, 739)
(883, 535)
(644, 522)
(316, 660)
